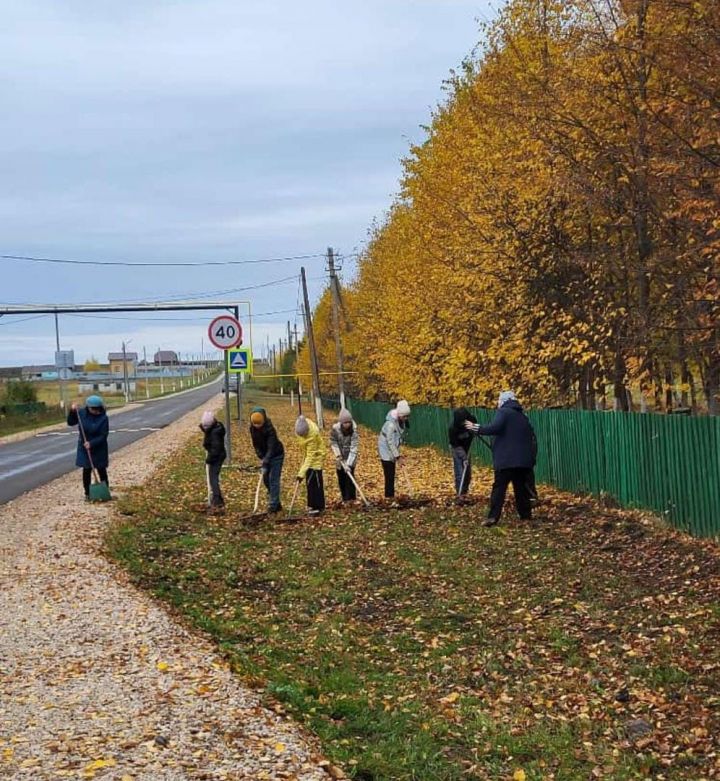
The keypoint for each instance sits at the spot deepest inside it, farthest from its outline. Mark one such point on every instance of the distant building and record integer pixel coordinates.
(42, 372)
(166, 358)
(116, 363)
(107, 385)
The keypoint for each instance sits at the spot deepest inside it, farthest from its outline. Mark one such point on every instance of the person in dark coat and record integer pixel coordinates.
(270, 451)
(513, 456)
(214, 444)
(461, 441)
(92, 449)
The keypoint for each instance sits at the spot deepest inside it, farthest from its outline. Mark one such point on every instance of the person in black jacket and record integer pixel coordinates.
(513, 456)
(271, 453)
(461, 441)
(214, 444)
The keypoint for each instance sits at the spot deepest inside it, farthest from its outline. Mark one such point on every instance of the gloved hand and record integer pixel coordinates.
(470, 426)
(263, 470)
(338, 464)
(299, 479)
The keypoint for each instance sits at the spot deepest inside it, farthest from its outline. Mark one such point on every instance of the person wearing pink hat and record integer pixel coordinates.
(214, 444)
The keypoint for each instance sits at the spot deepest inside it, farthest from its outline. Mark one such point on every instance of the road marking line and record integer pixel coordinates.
(112, 431)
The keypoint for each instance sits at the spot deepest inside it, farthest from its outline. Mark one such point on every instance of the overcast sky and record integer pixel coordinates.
(161, 130)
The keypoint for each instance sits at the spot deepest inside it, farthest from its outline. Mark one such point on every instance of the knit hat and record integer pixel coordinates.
(257, 416)
(506, 396)
(345, 416)
(302, 427)
(94, 401)
(403, 408)
(208, 418)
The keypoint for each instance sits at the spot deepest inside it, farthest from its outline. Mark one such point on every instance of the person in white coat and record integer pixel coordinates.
(390, 440)
(344, 443)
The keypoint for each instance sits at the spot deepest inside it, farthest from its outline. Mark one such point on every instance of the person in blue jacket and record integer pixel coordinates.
(94, 451)
(513, 456)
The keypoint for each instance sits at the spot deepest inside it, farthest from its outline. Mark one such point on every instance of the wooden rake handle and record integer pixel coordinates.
(349, 473)
(257, 493)
(406, 478)
(294, 497)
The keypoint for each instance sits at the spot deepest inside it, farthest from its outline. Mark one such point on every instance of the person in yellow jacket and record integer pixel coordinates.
(311, 472)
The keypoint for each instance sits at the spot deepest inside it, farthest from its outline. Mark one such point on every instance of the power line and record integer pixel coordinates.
(23, 320)
(160, 264)
(175, 297)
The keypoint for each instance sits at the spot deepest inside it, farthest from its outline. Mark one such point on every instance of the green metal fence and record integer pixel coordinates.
(663, 463)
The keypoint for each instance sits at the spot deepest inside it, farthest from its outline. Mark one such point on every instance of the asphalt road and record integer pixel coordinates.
(32, 462)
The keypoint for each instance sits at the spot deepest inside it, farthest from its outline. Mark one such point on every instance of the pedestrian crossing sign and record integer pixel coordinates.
(239, 361)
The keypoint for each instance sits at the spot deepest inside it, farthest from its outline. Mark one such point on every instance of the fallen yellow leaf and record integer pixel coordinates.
(99, 764)
(519, 775)
(279, 747)
(162, 666)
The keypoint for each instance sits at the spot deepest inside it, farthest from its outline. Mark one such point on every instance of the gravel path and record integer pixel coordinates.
(98, 681)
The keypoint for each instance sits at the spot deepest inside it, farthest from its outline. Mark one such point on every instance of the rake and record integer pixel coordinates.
(255, 516)
(349, 473)
(290, 518)
(408, 485)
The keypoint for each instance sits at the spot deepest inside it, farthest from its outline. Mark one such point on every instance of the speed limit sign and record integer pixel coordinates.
(225, 332)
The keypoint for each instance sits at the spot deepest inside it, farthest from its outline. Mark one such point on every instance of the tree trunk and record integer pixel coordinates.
(668, 388)
(712, 384)
(619, 389)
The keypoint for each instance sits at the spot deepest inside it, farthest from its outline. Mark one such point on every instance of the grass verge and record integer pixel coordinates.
(417, 645)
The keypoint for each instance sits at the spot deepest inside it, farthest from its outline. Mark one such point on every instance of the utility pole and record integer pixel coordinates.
(125, 374)
(313, 354)
(289, 336)
(297, 358)
(147, 381)
(162, 384)
(336, 325)
(60, 370)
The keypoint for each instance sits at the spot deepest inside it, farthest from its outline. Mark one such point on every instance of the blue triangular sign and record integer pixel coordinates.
(238, 360)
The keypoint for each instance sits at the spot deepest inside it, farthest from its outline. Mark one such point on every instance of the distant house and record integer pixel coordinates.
(166, 358)
(116, 363)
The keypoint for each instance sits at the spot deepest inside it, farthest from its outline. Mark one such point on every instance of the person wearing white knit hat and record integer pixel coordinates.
(344, 443)
(391, 438)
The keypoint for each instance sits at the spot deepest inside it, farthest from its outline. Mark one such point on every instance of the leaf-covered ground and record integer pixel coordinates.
(418, 645)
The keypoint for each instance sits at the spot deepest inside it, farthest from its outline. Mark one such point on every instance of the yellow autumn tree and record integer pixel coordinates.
(557, 231)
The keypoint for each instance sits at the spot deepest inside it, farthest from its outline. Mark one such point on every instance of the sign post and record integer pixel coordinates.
(226, 332)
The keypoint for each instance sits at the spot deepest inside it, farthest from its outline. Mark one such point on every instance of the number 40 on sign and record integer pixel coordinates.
(225, 332)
